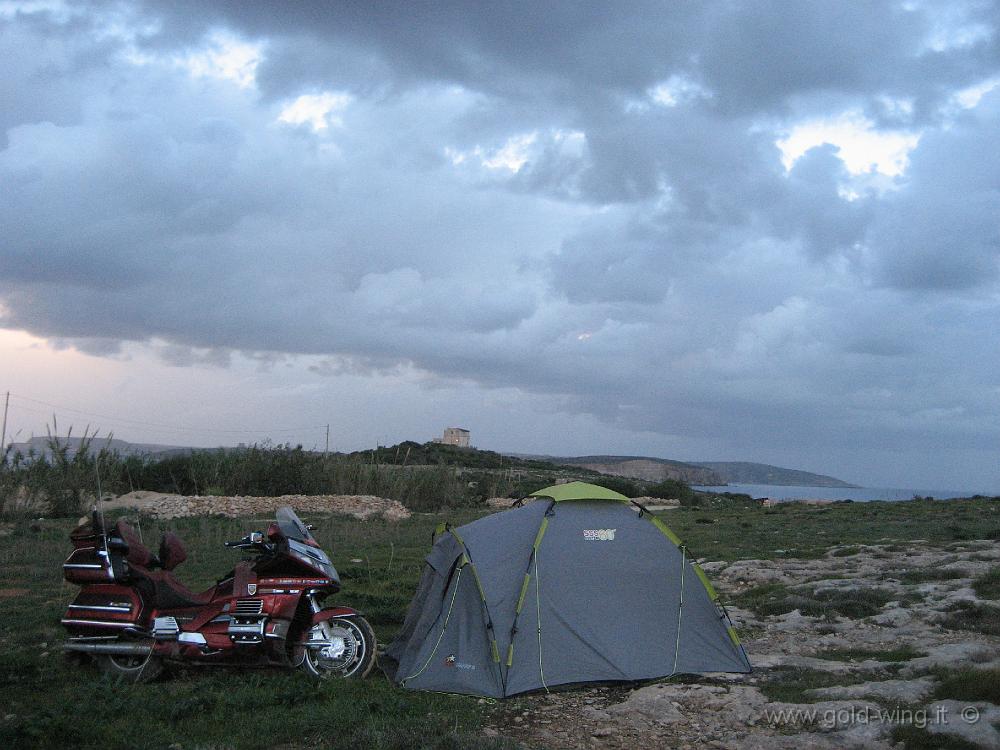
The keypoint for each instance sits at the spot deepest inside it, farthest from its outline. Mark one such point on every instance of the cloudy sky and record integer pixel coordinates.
(732, 231)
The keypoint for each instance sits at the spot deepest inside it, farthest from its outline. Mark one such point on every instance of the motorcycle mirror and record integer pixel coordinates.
(256, 537)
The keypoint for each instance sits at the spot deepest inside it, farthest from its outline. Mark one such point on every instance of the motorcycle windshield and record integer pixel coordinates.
(291, 525)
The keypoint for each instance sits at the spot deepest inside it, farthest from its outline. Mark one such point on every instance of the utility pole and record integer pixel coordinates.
(3, 430)
(327, 449)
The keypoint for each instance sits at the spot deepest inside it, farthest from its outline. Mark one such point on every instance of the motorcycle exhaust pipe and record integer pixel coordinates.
(115, 649)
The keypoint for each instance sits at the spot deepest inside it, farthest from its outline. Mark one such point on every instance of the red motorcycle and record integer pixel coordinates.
(134, 616)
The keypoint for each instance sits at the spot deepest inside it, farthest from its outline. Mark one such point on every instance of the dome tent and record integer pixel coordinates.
(580, 586)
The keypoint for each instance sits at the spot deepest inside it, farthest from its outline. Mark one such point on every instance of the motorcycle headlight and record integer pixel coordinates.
(314, 558)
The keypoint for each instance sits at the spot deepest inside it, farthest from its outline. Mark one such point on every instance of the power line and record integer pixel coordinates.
(162, 426)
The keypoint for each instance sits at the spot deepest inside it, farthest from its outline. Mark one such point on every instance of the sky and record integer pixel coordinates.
(761, 231)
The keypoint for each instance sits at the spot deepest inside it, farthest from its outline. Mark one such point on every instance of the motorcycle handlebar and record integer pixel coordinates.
(253, 539)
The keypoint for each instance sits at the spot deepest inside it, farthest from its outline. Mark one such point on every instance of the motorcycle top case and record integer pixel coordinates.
(90, 561)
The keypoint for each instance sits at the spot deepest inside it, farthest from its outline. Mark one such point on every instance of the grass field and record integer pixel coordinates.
(49, 702)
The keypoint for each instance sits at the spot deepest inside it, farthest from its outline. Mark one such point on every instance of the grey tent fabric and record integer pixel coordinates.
(559, 593)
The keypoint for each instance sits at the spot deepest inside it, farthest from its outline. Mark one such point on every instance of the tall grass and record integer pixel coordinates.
(58, 482)
(62, 480)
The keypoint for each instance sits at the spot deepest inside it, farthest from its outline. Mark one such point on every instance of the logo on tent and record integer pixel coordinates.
(450, 661)
(599, 535)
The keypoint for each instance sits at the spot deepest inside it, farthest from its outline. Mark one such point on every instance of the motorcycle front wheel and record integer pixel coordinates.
(339, 647)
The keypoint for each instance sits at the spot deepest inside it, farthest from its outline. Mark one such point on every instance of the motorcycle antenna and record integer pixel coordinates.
(100, 509)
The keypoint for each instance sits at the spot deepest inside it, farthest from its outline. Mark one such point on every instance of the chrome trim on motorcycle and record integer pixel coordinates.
(192, 639)
(247, 630)
(107, 560)
(279, 629)
(165, 628)
(102, 607)
(245, 607)
(246, 623)
(116, 649)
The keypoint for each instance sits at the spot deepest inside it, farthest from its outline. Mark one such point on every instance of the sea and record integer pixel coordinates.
(857, 494)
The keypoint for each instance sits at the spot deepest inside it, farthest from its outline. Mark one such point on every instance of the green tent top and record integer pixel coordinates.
(580, 491)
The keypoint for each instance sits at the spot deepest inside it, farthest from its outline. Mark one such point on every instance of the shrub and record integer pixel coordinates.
(670, 489)
(968, 685)
(988, 586)
(976, 617)
(776, 599)
(845, 552)
(915, 738)
(923, 575)
(624, 486)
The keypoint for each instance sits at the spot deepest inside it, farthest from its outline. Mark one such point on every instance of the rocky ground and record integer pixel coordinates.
(160, 505)
(867, 637)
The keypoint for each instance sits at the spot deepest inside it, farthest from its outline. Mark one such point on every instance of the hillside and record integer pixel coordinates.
(699, 472)
(38, 445)
(745, 472)
(410, 453)
(645, 468)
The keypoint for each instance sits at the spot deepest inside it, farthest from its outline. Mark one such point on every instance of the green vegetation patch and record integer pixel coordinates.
(980, 618)
(915, 738)
(845, 552)
(925, 575)
(199, 707)
(988, 586)
(797, 530)
(672, 489)
(789, 684)
(968, 684)
(776, 599)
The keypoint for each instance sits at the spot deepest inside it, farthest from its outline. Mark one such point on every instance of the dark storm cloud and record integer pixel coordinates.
(754, 57)
(587, 204)
(942, 229)
(486, 46)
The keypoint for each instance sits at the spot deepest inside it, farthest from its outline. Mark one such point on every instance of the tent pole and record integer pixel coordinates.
(680, 610)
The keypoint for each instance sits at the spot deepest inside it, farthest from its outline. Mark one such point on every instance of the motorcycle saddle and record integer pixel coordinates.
(161, 586)
(169, 593)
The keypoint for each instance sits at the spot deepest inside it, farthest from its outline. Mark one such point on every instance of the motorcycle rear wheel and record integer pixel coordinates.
(131, 669)
(342, 647)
